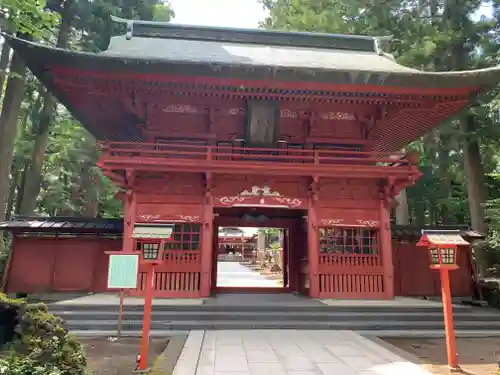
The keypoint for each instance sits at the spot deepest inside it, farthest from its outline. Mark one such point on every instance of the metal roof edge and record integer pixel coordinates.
(170, 30)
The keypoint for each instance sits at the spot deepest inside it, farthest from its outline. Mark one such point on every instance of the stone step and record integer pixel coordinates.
(300, 316)
(434, 333)
(356, 325)
(268, 308)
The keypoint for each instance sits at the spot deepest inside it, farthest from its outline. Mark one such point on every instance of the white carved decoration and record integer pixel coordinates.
(234, 111)
(149, 217)
(331, 221)
(291, 202)
(288, 113)
(189, 218)
(228, 201)
(338, 116)
(256, 191)
(369, 223)
(180, 108)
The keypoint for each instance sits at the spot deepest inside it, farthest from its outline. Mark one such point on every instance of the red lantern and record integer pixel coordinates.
(151, 241)
(442, 246)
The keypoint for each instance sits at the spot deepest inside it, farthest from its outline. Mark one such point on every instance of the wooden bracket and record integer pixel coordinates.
(313, 187)
(309, 124)
(211, 119)
(130, 176)
(208, 185)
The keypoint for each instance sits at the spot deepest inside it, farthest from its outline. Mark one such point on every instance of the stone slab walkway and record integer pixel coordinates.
(233, 274)
(288, 352)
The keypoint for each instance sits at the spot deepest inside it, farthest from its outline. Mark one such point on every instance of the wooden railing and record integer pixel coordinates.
(177, 276)
(349, 260)
(180, 258)
(114, 152)
(351, 276)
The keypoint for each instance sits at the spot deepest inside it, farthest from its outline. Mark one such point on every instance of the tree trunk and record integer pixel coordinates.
(474, 171)
(8, 126)
(4, 64)
(91, 193)
(444, 180)
(34, 173)
(14, 186)
(401, 211)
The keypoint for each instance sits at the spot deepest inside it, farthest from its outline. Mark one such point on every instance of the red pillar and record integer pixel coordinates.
(129, 214)
(207, 248)
(312, 250)
(448, 320)
(386, 250)
(146, 324)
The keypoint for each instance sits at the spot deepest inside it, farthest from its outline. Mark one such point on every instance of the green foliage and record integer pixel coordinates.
(28, 17)
(71, 184)
(95, 19)
(41, 345)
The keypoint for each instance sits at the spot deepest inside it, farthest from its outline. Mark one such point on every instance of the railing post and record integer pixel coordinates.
(209, 153)
(316, 157)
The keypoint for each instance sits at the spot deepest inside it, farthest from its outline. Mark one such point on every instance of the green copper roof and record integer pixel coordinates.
(280, 63)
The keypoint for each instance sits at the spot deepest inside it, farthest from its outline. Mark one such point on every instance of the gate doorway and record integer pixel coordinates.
(278, 265)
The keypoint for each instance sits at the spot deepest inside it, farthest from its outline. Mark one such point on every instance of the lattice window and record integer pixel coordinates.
(185, 237)
(447, 256)
(348, 240)
(149, 249)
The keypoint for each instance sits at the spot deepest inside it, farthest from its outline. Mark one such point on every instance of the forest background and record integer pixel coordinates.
(48, 161)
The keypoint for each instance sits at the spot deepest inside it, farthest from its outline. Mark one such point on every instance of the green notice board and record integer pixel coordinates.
(123, 271)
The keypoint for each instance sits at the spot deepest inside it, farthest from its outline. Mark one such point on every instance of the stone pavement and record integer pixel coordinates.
(233, 274)
(288, 352)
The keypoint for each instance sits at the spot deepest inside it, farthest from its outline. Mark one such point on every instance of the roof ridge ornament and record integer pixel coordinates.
(380, 42)
(130, 29)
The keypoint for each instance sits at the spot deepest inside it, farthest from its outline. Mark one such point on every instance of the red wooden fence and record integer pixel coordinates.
(177, 277)
(350, 265)
(350, 276)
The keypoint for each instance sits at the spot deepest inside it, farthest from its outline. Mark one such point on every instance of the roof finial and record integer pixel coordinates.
(129, 26)
(378, 46)
(130, 29)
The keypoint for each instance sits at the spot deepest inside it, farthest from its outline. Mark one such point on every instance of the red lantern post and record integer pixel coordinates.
(152, 244)
(443, 246)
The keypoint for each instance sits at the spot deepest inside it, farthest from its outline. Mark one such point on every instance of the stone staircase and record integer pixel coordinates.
(101, 319)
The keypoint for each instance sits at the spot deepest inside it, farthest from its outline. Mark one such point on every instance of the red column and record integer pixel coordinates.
(312, 250)
(207, 248)
(448, 320)
(129, 214)
(146, 324)
(386, 250)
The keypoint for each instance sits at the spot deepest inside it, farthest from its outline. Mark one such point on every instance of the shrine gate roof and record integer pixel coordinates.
(155, 59)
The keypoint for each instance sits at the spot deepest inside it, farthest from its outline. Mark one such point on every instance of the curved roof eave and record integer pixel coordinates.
(38, 57)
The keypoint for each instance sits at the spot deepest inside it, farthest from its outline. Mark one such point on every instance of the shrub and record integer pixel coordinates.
(38, 343)
(491, 293)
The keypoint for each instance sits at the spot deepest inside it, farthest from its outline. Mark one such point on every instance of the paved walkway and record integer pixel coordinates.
(287, 352)
(233, 274)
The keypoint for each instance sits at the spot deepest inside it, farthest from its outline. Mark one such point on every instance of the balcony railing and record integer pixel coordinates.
(191, 157)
